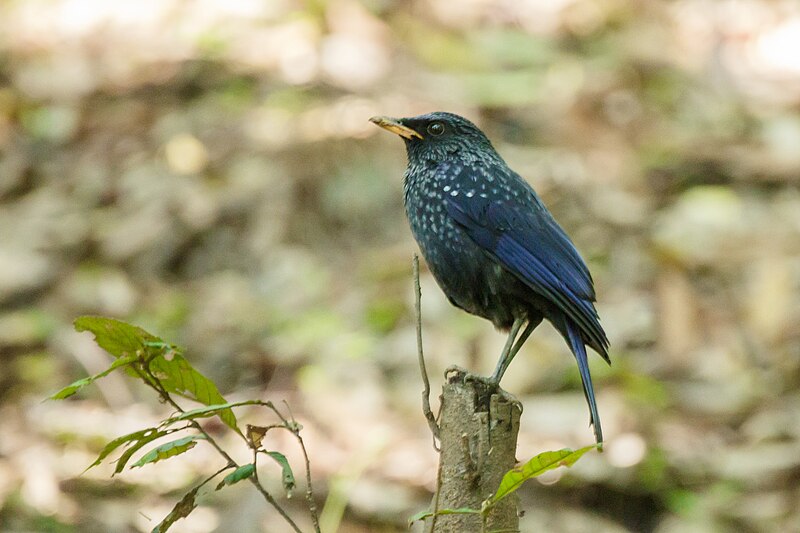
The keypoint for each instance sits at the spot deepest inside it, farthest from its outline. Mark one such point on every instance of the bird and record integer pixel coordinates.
(491, 244)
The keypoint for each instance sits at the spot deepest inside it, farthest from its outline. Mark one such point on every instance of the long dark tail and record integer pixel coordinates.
(572, 335)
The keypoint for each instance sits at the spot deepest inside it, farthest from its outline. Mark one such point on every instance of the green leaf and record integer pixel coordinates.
(182, 509)
(287, 477)
(178, 376)
(243, 472)
(422, 515)
(170, 449)
(128, 453)
(114, 336)
(211, 410)
(119, 441)
(540, 464)
(74, 387)
(166, 362)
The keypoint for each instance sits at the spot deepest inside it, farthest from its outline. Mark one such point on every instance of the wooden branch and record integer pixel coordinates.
(479, 425)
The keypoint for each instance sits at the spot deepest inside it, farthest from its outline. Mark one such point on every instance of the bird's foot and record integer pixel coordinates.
(485, 387)
(454, 372)
(457, 373)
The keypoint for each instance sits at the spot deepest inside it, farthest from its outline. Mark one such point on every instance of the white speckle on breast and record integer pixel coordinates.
(454, 193)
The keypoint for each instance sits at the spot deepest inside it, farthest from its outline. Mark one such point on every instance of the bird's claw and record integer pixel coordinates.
(455, 372)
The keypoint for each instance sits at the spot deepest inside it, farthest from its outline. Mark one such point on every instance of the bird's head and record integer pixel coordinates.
(438, 136)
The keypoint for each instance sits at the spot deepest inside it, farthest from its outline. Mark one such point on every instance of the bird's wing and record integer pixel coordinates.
(523, 237)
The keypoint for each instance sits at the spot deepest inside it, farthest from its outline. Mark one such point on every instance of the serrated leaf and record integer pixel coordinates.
(170, 449)
(182, 509)
(211, 410)
(287, 477)
(74, 387)
(114, 336)
(119, 441)
(243, 472)
(141, 443)
(540, 464)
(178, 376)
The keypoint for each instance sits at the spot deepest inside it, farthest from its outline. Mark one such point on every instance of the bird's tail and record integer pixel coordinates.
(572, 335)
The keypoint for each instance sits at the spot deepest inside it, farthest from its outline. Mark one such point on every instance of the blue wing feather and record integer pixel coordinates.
(579, 350)
(529, 243)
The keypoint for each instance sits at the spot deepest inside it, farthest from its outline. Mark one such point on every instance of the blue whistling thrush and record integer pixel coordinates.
(492, 245)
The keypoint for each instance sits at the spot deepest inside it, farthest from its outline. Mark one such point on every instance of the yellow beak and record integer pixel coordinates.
(393, 125)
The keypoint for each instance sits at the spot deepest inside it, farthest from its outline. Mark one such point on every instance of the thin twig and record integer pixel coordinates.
(255, 481)
(215, 474)
(278, 413)
(426, 392)
(436, 496)
(312, 504)
(155, 384)
(292, 425)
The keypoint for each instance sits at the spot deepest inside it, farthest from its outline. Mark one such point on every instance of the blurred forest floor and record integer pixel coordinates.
(206, 170)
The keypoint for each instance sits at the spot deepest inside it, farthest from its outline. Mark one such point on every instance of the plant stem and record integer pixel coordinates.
(426, 392)
(155, 384)
(312, 505)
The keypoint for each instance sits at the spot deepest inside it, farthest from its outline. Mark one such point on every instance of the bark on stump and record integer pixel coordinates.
(479, 426)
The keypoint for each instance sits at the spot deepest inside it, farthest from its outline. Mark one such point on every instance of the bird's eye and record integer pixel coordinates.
(435, 128)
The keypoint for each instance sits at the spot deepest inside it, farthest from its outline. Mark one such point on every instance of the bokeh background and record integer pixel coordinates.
(205, 169)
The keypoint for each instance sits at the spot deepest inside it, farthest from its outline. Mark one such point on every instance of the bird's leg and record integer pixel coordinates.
(509, 353)
(502, 364)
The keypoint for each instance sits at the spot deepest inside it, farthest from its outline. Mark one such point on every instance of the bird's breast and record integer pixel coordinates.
(467, 275)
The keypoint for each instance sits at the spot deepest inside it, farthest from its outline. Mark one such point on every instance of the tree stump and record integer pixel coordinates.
(479, 424)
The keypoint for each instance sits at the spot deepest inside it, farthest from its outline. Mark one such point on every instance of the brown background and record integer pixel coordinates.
(206, 170)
